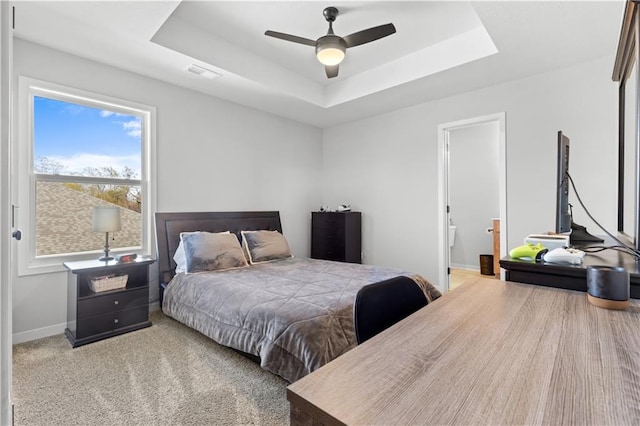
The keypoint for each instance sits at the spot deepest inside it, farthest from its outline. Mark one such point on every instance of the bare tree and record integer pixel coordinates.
(126, 196)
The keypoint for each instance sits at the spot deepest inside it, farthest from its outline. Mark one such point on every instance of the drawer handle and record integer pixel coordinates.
(115, 321)
(115, 302)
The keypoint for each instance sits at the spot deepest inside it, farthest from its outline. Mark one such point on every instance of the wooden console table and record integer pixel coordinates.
(571, 277)
(488, 352)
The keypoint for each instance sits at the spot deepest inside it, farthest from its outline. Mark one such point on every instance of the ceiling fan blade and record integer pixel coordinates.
(370, 34)
(331, 70)
(289, 37)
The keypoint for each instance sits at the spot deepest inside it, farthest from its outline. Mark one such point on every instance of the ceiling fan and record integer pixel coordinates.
(331, 48)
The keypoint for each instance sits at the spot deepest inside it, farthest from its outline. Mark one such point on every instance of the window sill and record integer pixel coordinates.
(54, 264)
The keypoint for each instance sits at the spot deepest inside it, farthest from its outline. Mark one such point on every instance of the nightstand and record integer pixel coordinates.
(93, 316)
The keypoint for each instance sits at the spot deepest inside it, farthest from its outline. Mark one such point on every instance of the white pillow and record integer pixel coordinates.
(180, 258)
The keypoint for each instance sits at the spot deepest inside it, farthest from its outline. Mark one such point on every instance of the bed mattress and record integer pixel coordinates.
(296, 314)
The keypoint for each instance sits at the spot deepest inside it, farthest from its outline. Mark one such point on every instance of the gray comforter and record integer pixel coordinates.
(296, 313)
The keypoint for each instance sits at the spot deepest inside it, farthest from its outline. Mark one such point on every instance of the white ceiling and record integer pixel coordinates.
(440, 48)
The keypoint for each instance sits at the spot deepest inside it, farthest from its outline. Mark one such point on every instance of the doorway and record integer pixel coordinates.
(457, 155)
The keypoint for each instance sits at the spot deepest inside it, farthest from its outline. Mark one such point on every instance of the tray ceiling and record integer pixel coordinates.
(440, 48)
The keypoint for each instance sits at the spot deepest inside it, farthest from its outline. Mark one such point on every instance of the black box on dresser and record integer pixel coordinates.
(96, 315)
(336, 236)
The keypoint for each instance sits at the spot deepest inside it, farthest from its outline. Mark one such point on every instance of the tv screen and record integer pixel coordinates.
(563, 211)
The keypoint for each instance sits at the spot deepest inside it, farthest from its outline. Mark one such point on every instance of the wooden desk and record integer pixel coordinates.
(488, 352)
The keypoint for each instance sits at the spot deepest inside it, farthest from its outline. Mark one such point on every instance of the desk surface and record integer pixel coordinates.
(488, 352)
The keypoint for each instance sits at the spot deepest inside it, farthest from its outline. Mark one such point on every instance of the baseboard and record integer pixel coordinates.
(467, 267)
(52, 330)
(38, 333)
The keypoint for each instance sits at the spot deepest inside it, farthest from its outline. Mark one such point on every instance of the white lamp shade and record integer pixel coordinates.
(106, 219)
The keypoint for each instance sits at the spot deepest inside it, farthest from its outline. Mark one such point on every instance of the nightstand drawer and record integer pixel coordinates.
(112, 302)
(111, 321)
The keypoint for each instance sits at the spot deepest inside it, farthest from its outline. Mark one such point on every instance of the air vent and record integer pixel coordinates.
(203, 72)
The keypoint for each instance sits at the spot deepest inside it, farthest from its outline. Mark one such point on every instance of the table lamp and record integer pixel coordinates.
(106, 219)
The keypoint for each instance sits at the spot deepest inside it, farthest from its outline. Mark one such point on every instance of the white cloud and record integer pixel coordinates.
(134, 127)
(74, 109)
(77, 163)
(106, 113)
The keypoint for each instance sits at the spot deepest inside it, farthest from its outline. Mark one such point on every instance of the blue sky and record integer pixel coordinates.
(78, 136)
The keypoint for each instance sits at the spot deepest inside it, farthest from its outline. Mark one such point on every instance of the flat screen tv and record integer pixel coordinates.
(564, 218)
(563, 209)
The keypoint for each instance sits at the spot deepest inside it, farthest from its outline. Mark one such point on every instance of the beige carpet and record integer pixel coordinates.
(163, 375)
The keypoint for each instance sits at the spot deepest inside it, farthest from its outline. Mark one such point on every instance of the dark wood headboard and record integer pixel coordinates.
(170, 225)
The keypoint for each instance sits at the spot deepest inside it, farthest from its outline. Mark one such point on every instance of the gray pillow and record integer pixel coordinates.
(179, 256)
(262, 246)
(205, 251)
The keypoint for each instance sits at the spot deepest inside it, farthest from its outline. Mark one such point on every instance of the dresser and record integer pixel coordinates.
(96, 315)
(336, 236)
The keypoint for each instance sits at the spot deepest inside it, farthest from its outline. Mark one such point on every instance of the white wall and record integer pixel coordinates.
(473, 191)
(216, 155)
(386, 166)
(212, 155)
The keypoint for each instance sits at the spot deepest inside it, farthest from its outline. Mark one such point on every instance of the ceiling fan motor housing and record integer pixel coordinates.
(330, 13)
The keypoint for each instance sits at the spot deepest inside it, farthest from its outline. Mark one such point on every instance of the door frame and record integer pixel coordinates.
(444, 131)
(6, 69)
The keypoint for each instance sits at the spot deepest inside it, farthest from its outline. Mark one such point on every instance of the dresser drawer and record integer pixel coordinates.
(329, 236)
(327, 248)
(328, 233)
(329, 255)
(113, 302)
(328, 223)
(111, 321)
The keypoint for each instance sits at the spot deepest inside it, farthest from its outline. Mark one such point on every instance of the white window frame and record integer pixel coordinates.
(28, 88)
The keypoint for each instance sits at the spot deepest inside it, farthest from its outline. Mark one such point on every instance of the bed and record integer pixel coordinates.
(291, 314)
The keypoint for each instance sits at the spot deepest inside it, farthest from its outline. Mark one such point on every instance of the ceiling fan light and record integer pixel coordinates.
(330, 50)
(330, 56)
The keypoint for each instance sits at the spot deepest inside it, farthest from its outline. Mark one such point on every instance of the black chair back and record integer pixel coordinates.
(380, 305)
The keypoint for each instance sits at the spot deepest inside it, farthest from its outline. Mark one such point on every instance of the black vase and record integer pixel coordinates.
(608, 287)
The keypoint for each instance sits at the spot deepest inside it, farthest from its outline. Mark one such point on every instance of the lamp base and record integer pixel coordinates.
(106, 249)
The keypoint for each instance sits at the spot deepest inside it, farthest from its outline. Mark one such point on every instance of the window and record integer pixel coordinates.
(80, 150)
